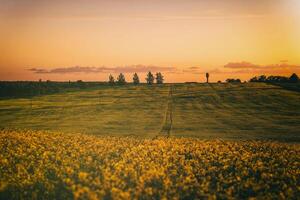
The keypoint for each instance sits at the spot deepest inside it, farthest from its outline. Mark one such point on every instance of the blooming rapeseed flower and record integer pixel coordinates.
(36, 164)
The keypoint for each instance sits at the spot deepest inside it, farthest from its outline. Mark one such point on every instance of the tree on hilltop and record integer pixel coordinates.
(136, 79)
(111, 79)
(262, 78)
(294, 78)
(232, 80)
(150, 78)
(159, 78)
(121, 79)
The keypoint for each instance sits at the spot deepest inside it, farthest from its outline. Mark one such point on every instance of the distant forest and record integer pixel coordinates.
(276, 79)
(33, 88)
(17, 89)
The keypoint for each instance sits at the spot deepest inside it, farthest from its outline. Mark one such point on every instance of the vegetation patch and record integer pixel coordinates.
(39, 165)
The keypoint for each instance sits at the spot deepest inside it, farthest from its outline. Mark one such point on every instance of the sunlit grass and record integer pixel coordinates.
(227, 111)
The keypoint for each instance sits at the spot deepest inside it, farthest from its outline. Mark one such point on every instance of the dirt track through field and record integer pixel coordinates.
(168, 121)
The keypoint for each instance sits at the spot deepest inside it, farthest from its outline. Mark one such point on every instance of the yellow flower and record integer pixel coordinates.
(92, 167)
(82, 176)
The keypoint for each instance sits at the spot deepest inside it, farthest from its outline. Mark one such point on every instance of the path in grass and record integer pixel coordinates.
(167, 126)
(121, 110)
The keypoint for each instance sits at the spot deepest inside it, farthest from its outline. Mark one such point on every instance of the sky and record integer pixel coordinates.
(89, 39)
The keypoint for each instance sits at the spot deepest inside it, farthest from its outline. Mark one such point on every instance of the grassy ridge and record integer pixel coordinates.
(41, 165)
(228, 111)
(105, 110)
(242, 111)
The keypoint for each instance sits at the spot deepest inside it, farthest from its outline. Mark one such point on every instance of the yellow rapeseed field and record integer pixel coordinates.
(36, 164)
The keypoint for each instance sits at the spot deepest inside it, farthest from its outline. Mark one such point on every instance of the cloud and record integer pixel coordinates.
(247, 67)
(241, 65)
(230, 68)
(39, 71)
(103, 69)
(194, 70)
(199, 70)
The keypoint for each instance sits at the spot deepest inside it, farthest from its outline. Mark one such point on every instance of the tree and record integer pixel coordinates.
(254, 79)
(121, 79)
(277, 79)
(159, 78)
(136, 79)
(111, 79)
(81, 84)
(262, 78)
(207, 76)
(150, 78)
(294, 78)
(232, 80)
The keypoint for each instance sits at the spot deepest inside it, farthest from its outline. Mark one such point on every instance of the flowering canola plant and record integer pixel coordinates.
(39, 165)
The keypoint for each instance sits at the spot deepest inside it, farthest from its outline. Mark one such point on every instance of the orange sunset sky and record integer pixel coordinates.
(89, 39)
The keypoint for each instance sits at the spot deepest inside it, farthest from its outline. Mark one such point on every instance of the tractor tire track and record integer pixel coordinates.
(168, 120)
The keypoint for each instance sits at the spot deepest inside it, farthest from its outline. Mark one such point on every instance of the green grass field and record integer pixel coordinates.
(227, 111)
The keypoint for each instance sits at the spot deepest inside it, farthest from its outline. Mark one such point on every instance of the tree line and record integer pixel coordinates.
(18, 89)
(33, 88)
(268, 79)
(276, 79)
(159, 78)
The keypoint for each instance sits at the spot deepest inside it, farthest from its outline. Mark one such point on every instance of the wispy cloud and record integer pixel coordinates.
(241, 65)
(229, 68)
(200, 70)
(103, 69)
(194, 70)
(247, 67)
